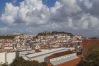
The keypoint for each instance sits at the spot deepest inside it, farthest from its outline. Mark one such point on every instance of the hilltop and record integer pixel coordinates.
(53, 33)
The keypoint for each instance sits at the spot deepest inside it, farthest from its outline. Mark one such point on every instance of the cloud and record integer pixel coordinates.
(90, 6)
(10, 13)
(3, 30)
(66, 15)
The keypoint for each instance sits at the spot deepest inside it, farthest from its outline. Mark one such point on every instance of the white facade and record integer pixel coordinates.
(7, 57)
(62, 59)
(42, 55)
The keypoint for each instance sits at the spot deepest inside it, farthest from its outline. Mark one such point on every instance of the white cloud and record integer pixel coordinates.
(56, 7)
(29, 11)
(70, 5)
(34, 16)
(3, 29)
(88, 4)
(9, 14)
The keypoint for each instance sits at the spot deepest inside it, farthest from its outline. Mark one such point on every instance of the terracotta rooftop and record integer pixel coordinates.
(59, 54)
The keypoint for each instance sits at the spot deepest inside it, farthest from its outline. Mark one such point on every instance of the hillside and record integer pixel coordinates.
(6, 37)
(53, 33)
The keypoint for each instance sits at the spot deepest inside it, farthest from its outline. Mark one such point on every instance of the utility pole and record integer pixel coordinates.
(6, 57)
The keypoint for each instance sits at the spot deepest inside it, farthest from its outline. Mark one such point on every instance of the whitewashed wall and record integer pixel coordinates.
(2, 57)
(9, 57)
(62, 59)
(42, 55)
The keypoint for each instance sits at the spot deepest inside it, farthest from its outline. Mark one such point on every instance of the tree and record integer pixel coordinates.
(35, 63)
(92, 59)
(4, 65)
(19, 61)
(43, 64)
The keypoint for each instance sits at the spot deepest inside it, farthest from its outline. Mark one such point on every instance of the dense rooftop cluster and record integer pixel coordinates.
(44, 46)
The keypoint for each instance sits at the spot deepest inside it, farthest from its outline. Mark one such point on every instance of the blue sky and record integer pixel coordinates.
(49, 3)
(3, 2)
(34, 16)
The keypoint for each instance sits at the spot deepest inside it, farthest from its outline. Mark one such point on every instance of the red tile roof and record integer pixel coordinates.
(59, 54)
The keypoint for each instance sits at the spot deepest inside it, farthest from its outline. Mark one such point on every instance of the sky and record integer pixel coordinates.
(34, 16)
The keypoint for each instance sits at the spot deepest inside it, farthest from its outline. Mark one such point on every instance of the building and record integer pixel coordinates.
(41, 56)
(7, 43)
(61, 57)
(7, 57)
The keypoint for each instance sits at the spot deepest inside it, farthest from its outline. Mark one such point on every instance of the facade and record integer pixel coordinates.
(45, 41)
(57, 41)
(41, 47)
(61, 57)
(24, 41)
(44, 55)
(7, 44)
(7, 57)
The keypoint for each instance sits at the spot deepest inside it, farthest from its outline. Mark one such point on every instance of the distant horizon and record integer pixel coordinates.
(47, 31)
